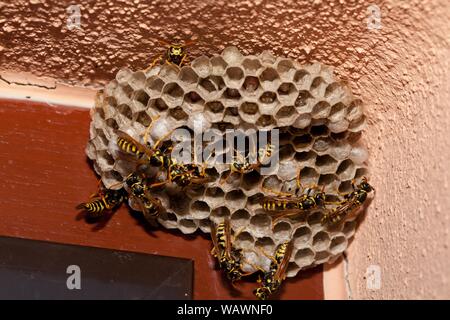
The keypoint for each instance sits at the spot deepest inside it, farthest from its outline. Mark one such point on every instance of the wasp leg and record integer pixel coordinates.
(298, 181)
(184, 60)
(314, 186)
(241, 177)
(238, 173)
(98, 193)
(147, 131)
(264, 253)
(279, 193)
(200, 180)
(153, 63)
(285, 214)
(158, 184)
(185, 63)
(353, 184)
(170, 63)
(95, 194)
(204, 164)
(342, 194)
(120, 183)
(257, 268)
(223, 180)
(163, 138)
(237, 233)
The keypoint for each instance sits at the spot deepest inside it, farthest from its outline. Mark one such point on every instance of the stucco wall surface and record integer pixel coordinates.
(405, 235)
(398, 65)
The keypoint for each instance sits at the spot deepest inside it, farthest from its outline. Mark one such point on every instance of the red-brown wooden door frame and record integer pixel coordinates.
(44, 173)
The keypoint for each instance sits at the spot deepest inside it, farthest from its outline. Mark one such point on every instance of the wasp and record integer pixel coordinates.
(159, 156)
(154, 156)
(304, 202)
(287, 204)
(242, 165)
(176, 54)
(186, 174)
(104, 200)
(230, 259)
(145, 154)
(351, 202)
(150, 206)
(272, 279)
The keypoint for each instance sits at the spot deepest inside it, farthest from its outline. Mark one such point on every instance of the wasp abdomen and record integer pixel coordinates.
(93, 207)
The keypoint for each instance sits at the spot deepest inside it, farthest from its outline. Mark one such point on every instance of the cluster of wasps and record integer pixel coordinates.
(304, 200)
(283, 205)
(138, 186)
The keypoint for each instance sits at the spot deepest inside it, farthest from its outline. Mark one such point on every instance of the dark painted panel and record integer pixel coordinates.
(31, 269)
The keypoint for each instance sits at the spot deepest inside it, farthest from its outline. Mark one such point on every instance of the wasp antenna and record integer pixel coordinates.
(190, 42)
(164, 42)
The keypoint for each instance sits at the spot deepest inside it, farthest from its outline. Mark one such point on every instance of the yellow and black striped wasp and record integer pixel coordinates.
(187, 174)
(145, 154)
(104, 200)
(352, 201)
(272, 279)
(176, 54)
(150, 206)
(180, 174)
(230, 259)
(288, 204)
(242, 165)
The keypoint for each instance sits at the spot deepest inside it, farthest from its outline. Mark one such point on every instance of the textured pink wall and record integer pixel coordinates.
(113, 34)
(401, 71)
(406, 87)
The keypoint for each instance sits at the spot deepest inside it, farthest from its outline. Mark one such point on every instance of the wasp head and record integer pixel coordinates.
(132, 179)
(262, 293)
(176, 53)
(319, 197)
(115, 196)
(364, 185)
(234, 275)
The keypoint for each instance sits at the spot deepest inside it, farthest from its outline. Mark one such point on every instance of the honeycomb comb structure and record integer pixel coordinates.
(320, 125)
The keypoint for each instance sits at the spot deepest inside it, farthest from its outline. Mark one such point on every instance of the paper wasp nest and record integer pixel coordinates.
(320, 125)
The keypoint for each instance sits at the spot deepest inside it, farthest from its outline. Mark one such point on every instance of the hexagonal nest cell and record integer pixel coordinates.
(316, 115)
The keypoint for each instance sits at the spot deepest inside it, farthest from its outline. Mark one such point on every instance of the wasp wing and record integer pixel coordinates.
(151, 206)
(216, 249)
(286, 199)
(227, 238)
(280, 274)
(139, 146)
(189, 42)
(279, 214)
(339, 212)
(155, 202)
(140, 203)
